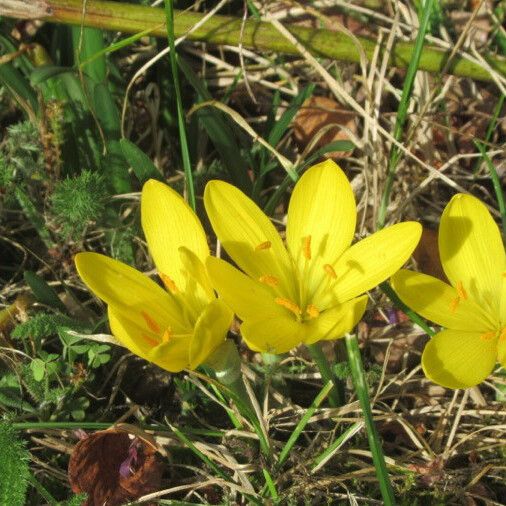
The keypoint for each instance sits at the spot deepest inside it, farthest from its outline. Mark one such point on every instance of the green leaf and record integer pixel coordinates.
(43, 292)
(38, 368)
(141, 164)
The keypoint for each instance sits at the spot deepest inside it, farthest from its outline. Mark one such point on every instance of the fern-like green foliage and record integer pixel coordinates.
(22, 155)
(42, 325)
(77, 202)
(14, 470)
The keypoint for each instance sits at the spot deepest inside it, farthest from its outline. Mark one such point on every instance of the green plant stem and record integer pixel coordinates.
(259, 35)
(336, 395)
(362, 390)
(185, 153)
(496, 182)
(402, 111)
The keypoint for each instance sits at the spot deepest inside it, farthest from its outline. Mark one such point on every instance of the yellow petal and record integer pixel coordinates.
(458, 359)
(129, 291)
(337, 321)
(169, 224)
(130, 334)
(502, 309)
(247, 234)
(441, 303)
(372, 260)
(210, 331)
(471, 249)
(197, 271)
(322, 207)
(172, 355)
(501, 348)
(276, 335)
(247, 298)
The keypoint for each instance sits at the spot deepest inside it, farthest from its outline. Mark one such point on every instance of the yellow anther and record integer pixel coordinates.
(150, 322)
(263, 245)
(488, 335)
(291, 306)
(166, 336)
(169, 283)
(502, 335)
(312, 311)
(306, 247)
(461, 291)
(330, 271)
(454, 304)
(269, 280)
(504, 274)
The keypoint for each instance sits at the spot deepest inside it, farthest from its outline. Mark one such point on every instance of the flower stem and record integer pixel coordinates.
(361, 388)
(226, 363)
(336, 395)
(255, 34)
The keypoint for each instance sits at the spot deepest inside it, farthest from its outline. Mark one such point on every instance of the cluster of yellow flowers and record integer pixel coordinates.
(307, 288)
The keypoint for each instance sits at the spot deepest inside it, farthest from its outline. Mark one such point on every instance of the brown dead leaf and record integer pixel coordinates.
(316, 114)
(113, 469)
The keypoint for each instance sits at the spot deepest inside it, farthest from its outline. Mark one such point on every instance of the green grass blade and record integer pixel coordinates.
(402, 111)
(190, 187)
(362, 391)
(336, 444)
(302, 423)
(270, 485)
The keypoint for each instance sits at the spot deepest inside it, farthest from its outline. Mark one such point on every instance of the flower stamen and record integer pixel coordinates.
(486, 336)
(263, 246)
(306, 247)
(150, 322)
(269, 280)
(169, 283)
(330, 271)
(461, 291)
(454, 304)
(167, 335)
(502, 335)
(288, 304)
(312, 311)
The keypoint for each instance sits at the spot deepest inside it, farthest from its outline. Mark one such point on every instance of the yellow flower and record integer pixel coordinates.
(473, 307)
(176, 328)
(309, 290)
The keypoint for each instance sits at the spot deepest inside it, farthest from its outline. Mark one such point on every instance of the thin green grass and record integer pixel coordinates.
(185, 152)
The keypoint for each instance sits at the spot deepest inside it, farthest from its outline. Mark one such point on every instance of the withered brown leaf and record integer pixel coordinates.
(113, 469)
